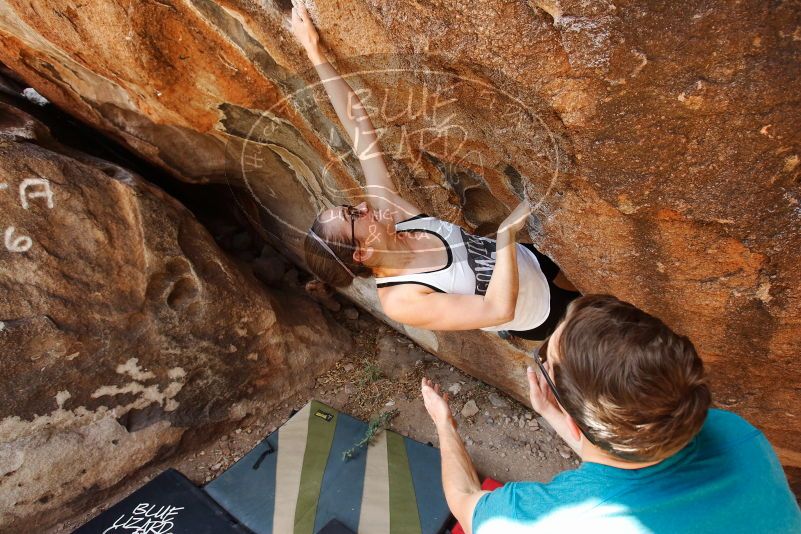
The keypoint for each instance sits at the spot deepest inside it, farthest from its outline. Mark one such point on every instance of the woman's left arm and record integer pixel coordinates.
(504, 283)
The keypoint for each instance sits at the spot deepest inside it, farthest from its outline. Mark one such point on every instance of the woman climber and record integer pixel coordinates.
(429, 273)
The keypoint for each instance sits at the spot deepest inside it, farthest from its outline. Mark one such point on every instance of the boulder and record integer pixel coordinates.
(658, 142)
(469, 409)
(126, 335)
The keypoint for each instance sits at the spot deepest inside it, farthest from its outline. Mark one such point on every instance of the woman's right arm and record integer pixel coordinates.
(418, 306)
(381, 190)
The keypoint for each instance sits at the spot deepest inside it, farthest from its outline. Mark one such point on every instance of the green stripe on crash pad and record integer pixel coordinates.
(403, 515)
(322, 423)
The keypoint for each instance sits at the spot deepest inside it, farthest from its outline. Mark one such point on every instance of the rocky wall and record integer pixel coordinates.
(126, 335)
(659, 142)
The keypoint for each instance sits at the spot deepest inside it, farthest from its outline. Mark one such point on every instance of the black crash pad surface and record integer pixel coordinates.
(169, 503)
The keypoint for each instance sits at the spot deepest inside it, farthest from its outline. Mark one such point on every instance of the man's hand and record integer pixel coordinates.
(542, 399)
(460, 481)
(436, 404)
(303, 28)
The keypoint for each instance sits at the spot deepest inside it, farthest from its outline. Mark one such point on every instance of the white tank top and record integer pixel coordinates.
(471, 260)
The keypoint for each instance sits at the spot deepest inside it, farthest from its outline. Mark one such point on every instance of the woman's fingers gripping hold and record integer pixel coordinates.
(517, 218)
(303, 27)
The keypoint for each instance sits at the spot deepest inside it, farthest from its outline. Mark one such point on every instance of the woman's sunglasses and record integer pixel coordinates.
(354, 213)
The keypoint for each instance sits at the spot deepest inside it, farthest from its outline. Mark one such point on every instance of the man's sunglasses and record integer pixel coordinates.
(541, 358)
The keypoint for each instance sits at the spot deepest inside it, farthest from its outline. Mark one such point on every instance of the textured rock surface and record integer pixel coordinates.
(125, 333)
(661, 138)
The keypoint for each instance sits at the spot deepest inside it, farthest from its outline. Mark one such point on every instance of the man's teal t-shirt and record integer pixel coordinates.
(727, 479)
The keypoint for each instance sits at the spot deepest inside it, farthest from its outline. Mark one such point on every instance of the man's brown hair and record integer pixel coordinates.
(636, 387)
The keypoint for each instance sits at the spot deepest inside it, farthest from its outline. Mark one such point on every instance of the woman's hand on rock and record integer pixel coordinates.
(517, 219)
(303, 28)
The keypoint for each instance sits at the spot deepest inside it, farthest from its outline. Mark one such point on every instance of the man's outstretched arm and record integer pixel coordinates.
(459, 478)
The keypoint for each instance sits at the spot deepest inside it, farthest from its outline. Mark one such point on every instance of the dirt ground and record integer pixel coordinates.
(506, 440)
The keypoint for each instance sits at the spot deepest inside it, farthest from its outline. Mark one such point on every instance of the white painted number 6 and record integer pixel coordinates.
(17, 244)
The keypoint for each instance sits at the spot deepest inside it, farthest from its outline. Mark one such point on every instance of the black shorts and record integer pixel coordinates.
(560, 299)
